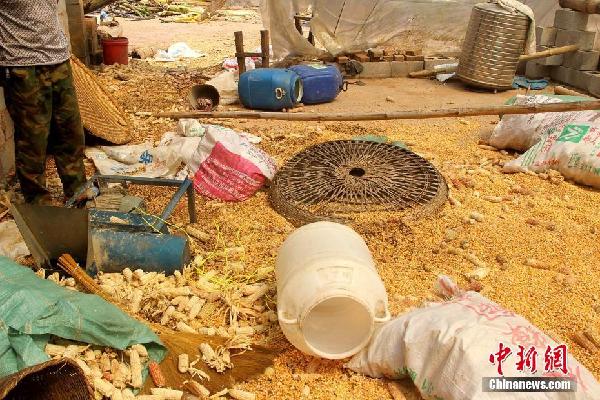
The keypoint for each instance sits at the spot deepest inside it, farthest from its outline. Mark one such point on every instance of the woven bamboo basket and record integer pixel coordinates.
(334, 181)
(54, 380)
(100, 114)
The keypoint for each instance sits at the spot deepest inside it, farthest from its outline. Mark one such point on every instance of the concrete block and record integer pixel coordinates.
(594, 83)
(521, 68)
(403, 68)
(432, 62)
(376, 70)
(399, 57)
(570, 20)
(534, 70)
(572, 77)
(579, 79)
(585, 40)
(545, 36)
(582, 60)
(561, 74)
(554, 60)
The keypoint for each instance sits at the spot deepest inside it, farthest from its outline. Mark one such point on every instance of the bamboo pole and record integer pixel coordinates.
(411, 114)
(585, 6)
(526, 57)
(549, 53)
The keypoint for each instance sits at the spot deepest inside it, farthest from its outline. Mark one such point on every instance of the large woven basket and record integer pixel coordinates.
(54, 380)
(100, 114)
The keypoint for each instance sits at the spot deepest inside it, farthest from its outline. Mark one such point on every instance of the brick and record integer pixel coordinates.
(415, 58)
(534, 70)
(554, 60)
(594, 83)
(342, 60)
(582, 60)
(432, 62)
(399, 57)
(403, 68)
(376, 70)
(585, 40)
(545, 36)
(414, 52)
(376, 54)
(570, 20)
(361, 57)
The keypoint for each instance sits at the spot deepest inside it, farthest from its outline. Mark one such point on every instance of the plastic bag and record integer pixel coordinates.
(177, 51)
(573, 149)
(520, 132)
(225, 164)
(32, 309)
(136, 160)
(232, 64)
(226, 84)
(448, 348)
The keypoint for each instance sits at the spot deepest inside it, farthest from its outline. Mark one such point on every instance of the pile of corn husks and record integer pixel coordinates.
(226, 303)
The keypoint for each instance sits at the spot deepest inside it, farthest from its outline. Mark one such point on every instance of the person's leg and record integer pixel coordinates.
(66, 137)
(29, 102)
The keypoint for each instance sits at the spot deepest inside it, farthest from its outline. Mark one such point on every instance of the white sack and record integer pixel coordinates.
(573, 149)
(520, 132)
(445, 349)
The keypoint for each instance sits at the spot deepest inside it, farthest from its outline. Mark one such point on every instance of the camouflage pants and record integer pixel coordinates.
(43, 105)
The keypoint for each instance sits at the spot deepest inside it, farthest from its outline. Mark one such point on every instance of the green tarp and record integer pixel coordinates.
(32, 309)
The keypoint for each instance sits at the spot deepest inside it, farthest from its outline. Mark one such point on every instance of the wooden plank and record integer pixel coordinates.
(77, 30)
(239, 51)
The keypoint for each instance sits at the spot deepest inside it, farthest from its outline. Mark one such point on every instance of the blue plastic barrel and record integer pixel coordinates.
(270, 89)
(321, 83)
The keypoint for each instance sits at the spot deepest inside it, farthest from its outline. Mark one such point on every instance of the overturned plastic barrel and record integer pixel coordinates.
(270, 89)
(329, 295)
(494, 42)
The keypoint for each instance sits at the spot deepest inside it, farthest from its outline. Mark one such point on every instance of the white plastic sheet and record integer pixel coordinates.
(352, 25)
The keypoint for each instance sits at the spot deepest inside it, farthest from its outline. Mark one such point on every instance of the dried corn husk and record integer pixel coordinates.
(241, 395)
(167, 394)
(136, 369)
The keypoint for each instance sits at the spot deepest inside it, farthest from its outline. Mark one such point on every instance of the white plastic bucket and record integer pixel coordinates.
(329, 295)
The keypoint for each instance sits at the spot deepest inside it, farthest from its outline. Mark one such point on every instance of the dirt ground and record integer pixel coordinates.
(408, 261)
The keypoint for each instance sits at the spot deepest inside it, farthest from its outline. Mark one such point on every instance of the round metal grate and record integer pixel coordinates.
(332, 180)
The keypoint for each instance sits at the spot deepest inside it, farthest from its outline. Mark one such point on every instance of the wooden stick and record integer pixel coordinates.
(411, 114)
(265, 48)
(561, 90)
(585, 6)
(239, 50)
(549, 53)
(527, 57)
